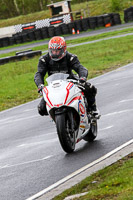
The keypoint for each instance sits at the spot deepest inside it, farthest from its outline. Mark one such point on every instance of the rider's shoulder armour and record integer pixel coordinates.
(44, 58)
(71, 56)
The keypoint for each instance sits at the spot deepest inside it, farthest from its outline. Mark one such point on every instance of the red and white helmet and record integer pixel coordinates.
(57, 48)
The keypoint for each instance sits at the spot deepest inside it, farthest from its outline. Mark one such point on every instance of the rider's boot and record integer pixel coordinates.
(95, 111)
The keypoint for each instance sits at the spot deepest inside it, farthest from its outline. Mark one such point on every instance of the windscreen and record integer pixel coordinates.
(57, 76)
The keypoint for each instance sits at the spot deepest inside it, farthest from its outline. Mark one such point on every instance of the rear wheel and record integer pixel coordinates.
(92, 133)
(65, 134)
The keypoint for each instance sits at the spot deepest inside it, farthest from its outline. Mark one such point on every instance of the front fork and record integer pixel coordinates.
(92, 119)
(70, 116)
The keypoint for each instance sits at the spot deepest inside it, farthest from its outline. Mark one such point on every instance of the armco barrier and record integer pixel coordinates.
(85, 24)
(63, 29)
(71, 25)
(128, 14)
(12, 41)
(20, 56)
(58, 30)
(25, 37)
(113, 21)
(44, 32)
(18, 39)
(92, 21)
(100, 21)
(51, 31)
(22, 52)
(38, 35)
(78, 25)
(107, 20)
(116, 18)
(4, 42)
(4, 60)
(31, 36)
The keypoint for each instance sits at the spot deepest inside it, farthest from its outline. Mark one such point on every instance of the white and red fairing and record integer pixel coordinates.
(62, 92)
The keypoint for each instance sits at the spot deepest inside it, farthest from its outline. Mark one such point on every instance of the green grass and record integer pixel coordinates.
(111, 183)
(17, 78)
(95, 8)
(17, 83)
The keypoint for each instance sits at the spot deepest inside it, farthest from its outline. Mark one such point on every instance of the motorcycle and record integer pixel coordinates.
(66, 105)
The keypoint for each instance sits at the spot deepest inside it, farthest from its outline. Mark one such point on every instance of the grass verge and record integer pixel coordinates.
(111, 183)
(17, 79)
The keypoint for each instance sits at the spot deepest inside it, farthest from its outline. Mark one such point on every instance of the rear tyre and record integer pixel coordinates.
(66, 137)
(92, 133)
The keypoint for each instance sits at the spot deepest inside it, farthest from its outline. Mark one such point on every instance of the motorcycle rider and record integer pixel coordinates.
(59, 60)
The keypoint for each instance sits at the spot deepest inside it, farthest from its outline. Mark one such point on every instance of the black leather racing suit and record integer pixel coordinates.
(68, 63)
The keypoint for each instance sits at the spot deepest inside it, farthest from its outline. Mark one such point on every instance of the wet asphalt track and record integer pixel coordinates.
(31, 158)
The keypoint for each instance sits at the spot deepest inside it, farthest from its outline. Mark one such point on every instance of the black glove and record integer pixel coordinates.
(82, 80)
(40, 88)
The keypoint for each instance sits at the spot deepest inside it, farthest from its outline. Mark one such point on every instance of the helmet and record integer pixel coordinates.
(57, 48)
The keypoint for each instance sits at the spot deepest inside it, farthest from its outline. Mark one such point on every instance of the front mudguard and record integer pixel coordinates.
(71, 112)
(61, 110)
(57, 111)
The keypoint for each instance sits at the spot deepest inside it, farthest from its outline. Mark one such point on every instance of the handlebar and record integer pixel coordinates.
(76, 82)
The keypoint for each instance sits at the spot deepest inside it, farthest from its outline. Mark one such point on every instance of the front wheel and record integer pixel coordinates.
(65, 134)
(92, 133)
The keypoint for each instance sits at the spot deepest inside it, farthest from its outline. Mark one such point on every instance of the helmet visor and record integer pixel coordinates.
(56, 54)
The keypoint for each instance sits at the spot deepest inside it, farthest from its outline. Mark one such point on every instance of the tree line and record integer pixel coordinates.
(13, 8)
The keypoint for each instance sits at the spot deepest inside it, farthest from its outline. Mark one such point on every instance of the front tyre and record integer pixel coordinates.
(65, 134)
(92, 133)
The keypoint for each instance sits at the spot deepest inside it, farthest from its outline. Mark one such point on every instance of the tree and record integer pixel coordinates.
(8, 9)
(16, 5)
(41, 4)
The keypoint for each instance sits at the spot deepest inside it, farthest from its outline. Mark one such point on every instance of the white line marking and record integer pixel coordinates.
(119, 112)
(117, 84)
(19, 119)
(42, 135)
(1, 167)
(6, 175)
(38, 143)
(113, 79)
(79, 171)
(27, 110)
(125, 100)
(6, 119)
(48, 134)
(25, 118)
(106, 128)
(24, 163)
